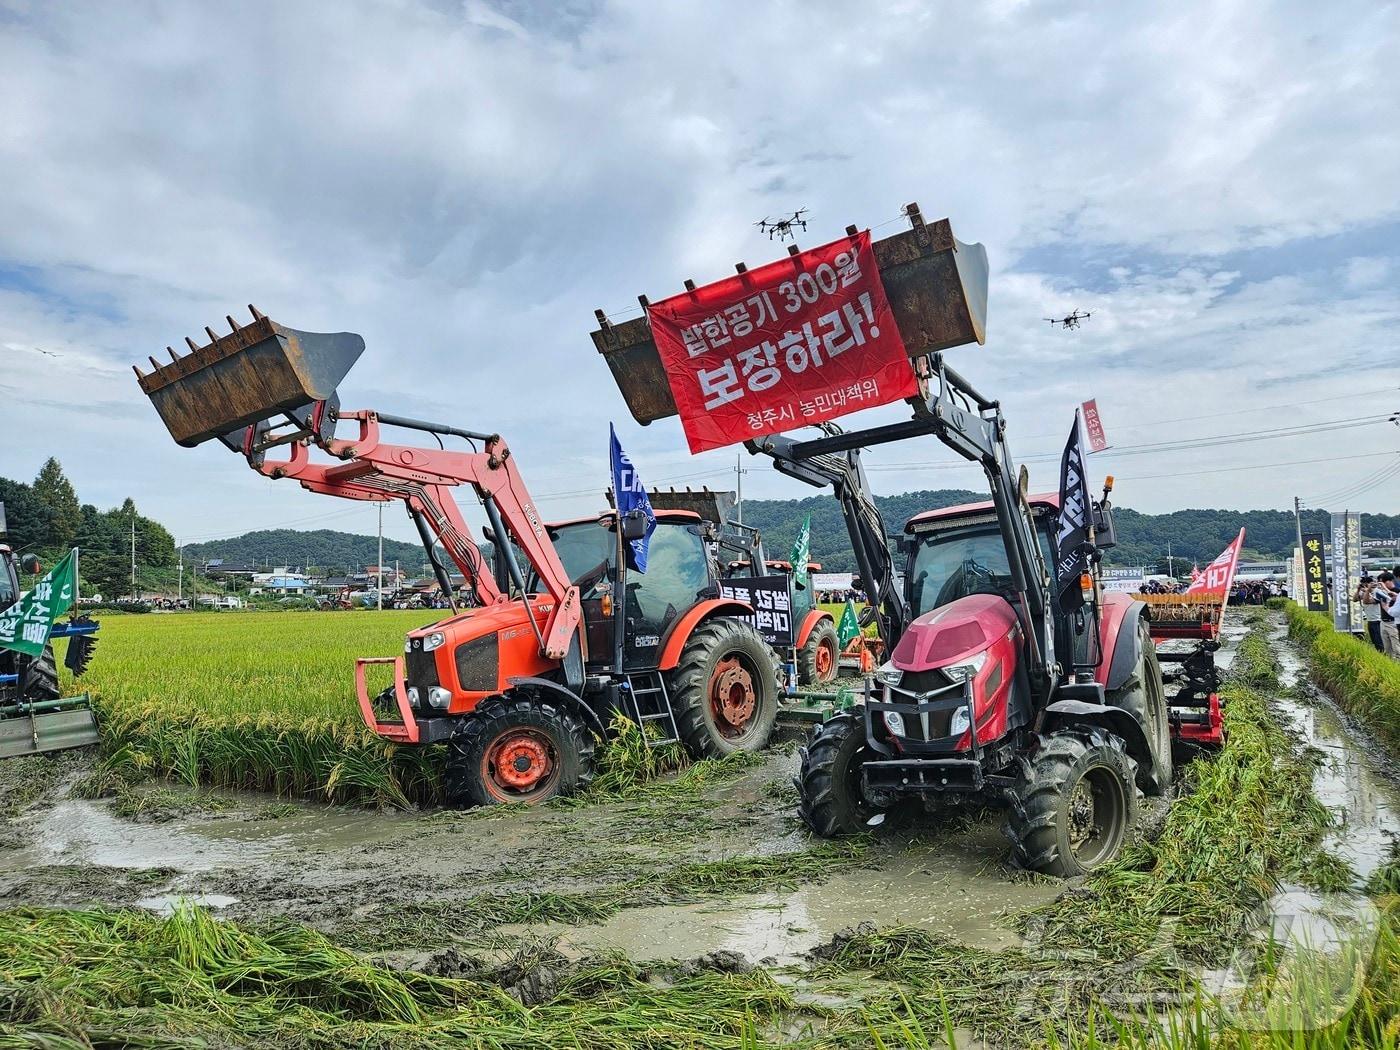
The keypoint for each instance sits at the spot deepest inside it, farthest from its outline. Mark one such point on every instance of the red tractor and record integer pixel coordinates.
(1000, 685)
(521, 679)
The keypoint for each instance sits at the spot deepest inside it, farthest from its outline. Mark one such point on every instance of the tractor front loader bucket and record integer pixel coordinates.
(257, 372)
(936, 286)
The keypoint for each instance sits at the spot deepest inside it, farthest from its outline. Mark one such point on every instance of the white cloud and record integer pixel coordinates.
(463, 184)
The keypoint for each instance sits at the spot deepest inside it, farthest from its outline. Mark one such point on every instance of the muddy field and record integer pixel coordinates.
(713, 868)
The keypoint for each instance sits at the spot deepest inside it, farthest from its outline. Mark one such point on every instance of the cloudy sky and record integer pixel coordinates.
(463, 183)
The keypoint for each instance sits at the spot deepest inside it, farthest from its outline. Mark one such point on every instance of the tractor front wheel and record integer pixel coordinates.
(724, 690)
(818, 660)
(1073, 804)
(830, 800)
(516, 749)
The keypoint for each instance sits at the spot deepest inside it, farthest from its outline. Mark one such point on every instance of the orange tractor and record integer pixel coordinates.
(534, 661)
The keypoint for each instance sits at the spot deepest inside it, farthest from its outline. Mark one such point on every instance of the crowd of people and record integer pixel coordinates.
(1256, 592)
(1380, 602)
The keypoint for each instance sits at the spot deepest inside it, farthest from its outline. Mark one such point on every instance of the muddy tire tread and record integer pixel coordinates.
(819, 779)
(462, 785)
(688, 686)
(1032, 825)
(807, 655)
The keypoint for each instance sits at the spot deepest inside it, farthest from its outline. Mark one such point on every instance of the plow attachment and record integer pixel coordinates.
(936, 286)
(250, 377)
(31, 728)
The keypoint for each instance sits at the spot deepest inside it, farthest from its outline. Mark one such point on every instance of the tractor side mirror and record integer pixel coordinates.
(1105, 536)
(30, 565)
(634, 525)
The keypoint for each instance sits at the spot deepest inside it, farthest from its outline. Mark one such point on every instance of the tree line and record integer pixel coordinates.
(46, 517)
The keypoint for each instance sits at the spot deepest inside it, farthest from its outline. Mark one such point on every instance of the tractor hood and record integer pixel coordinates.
(954, 632)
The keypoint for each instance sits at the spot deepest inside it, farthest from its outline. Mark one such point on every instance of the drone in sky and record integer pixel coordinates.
(1069, 320)
(783, 228)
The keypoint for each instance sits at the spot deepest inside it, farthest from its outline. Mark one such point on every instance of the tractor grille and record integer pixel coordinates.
(478, 664)
(419, 667)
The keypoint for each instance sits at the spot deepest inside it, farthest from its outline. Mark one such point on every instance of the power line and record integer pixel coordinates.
(1252, 466)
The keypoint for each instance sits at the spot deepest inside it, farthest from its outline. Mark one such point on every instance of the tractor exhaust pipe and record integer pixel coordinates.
(257, 372)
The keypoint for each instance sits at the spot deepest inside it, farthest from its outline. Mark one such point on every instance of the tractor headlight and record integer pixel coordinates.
(889, 674)
(433, 641)
(967, 669)
(959, 723)
(894, 722)
(439, 697)
(412, 693)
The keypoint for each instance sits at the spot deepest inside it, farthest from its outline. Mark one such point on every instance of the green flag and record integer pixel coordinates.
(849, 627)
(802, 554)
(25, 626)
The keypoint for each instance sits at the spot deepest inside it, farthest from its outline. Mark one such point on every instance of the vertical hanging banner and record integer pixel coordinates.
(1315, 571)
(1072, 531)
(1093, 426)
(1217, 577)
(1346, 571)
(795, 342)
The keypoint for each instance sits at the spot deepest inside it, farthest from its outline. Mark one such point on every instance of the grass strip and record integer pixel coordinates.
(1363, 681)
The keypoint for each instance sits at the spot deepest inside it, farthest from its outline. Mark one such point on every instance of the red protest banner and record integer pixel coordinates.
(798, 341)
(1093, 426)
(1216, 577)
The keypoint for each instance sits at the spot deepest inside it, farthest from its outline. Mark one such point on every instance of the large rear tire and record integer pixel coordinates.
(818, 661)
(516, 749)
(830, 801)
(724, 690)
(41, 681)
(1145, 698)
(1073, 804)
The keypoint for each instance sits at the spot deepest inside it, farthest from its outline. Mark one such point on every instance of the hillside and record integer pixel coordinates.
(321, 548)
(1195, 535)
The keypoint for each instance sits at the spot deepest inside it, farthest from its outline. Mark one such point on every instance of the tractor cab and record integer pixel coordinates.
(679, 574)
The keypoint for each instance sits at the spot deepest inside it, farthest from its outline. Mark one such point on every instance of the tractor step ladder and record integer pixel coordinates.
(647, 703)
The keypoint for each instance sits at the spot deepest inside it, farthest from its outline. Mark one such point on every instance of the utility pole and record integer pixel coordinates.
(1298, 523)
(1171, 565)
(739, 473)
(133, 553)
(379, 589)
(180, 578)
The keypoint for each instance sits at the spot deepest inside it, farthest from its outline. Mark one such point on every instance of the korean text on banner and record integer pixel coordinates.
(1093, 426)
(26, 625)
(1216, 577)
(1315, 571)
(799, 341)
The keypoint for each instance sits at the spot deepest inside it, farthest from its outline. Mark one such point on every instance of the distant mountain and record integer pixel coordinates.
(1195, 535)
(322, 549)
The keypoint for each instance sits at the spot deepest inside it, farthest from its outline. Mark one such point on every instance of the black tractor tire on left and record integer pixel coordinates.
(518, 748)
(1145, 698)
(41, 677)
(724, 690)
(819, 659)
(830, 801)
(1073, 804)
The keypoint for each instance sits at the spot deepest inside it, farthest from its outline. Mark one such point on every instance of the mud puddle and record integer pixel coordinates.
(954, 887)
(1352, 779)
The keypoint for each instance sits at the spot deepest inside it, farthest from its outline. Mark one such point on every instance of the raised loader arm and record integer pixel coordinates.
(264, 385)
(869, 538)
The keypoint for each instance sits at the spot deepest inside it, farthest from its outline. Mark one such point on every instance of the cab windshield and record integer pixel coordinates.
(953, 563)
(7, 588)
(677, 567)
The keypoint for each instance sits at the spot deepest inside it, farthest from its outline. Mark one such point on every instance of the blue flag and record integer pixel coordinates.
(631, 495)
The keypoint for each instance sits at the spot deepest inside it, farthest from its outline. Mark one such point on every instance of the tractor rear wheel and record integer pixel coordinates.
(724, 690)
(830, 800)
(818, 659)
(516, 749)
(1073, 804)
(41, 680)
(1146, 700)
